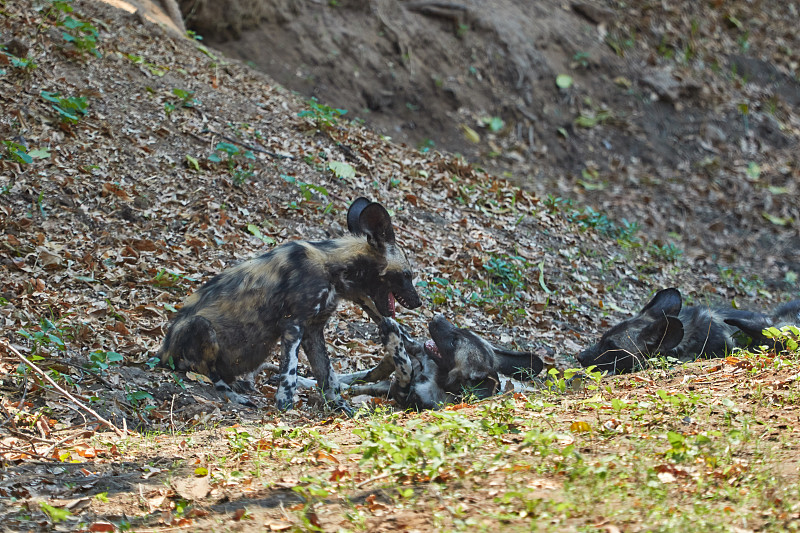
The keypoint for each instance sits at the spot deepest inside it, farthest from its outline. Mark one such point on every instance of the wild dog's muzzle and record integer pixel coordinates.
(408, 297)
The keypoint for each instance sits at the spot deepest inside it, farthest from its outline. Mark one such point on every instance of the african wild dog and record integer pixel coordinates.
(227, 328)
(454, 362)
(787, 314)
(665, 327)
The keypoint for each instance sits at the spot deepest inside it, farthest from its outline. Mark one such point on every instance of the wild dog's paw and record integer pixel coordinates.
(243, 386)
(247, 402)
(232, 395)
(284, 399)
(284, 405)
(345, 408)
(241, 399)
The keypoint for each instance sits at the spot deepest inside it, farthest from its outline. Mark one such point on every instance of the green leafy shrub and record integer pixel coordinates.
(323, 116)
(234, 158)
(70, 108)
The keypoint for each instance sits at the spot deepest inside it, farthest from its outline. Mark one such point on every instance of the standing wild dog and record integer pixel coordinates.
(665, 327)
(787, 314)
(227, 328)
(454, 362)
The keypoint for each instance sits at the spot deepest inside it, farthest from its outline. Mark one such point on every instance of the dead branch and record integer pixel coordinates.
(251, 147)
(64, 392)
(445, 10)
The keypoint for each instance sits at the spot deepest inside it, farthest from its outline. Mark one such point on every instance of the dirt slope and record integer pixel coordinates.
(182, 163)
(681, 117)
(135, 165)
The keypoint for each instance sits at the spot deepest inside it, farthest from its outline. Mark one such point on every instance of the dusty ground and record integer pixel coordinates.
(135, 166)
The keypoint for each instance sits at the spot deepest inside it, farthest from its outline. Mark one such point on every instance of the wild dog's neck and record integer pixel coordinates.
(350, 262)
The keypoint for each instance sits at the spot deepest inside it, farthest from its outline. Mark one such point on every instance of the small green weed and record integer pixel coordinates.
(426, 145)
(555, 204)
(624, 232)
(46, 337)
(19, 153)
(172, 281)
(748, 284)
(323, 117)
(620, 41)
(82, 35)
(589, 118)
(70, 108)
(440, 291)
(100, 360)
(787, 336)
(185, 99)
(239, 441)
(667, 252)
(154, 69)
(309, 192)
(507, 275)
(21, 63)
(419, 450)
(139, 399)
(234, 158)
(580, 59)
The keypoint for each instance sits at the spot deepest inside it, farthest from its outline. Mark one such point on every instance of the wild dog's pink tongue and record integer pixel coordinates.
(432, 349)
(391, 304)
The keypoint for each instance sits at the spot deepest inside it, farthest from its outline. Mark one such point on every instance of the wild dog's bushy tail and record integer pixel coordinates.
(519, 365)
(754, 324)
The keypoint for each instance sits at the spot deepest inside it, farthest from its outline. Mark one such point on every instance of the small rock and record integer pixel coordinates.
(593, 13)
(665, 86)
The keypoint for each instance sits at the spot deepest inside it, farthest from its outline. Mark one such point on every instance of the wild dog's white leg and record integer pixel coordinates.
(327, 380)
(403, 371)
(378, 390)
(290, 343)
(344, 379)
(306, 383)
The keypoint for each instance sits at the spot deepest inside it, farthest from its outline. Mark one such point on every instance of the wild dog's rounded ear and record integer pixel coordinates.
(354, 212)
(375, 222)
(662, 335)
(666, 302)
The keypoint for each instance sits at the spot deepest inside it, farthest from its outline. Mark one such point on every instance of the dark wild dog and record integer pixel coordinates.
(227, 328)
(787, 314)
(454, 362)
(664, 327)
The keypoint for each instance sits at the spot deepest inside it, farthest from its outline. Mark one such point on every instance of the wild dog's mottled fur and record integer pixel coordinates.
(228, 327)
(455, 361)
(664, 327)
(787, 314)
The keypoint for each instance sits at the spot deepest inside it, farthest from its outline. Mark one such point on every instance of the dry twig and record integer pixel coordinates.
(64, 392)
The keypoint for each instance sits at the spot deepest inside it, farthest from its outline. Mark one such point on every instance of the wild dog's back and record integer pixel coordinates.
(787, 314)
(228, 326)
(754, 324)
(705, 333)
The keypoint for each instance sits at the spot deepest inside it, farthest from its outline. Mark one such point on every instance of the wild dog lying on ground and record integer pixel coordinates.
(787, 314)
(665, 327)
(454, 362)
(227, 328)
